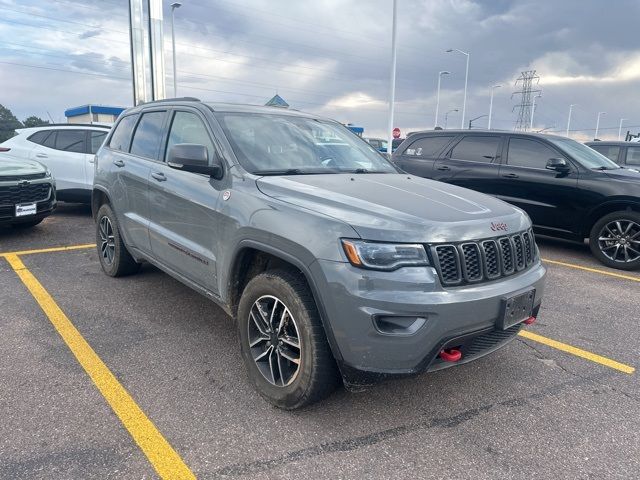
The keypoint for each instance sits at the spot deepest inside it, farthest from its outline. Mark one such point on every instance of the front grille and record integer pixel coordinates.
(10, 195)
(484, 260)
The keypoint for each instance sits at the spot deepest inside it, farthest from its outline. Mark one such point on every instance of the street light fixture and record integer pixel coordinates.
(174, 5)
(466, 80)
(620, 128)
(533, 109)
(493, 88)
(440, 74)
(569, 118)
(598, 124)
(446, 116)
(392, 80)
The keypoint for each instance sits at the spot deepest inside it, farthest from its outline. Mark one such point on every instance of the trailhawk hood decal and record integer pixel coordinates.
(397, 207)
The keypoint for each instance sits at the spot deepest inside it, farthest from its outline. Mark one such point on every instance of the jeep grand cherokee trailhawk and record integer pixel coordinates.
(332, 262)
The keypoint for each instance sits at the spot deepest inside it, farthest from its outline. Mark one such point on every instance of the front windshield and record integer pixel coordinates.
(587, 156)
(267, 144)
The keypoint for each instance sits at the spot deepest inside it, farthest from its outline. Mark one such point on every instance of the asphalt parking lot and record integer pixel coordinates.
(179, 404)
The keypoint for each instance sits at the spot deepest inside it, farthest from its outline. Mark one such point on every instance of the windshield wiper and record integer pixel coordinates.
(604, 167)
(288, 171)
(364, 170)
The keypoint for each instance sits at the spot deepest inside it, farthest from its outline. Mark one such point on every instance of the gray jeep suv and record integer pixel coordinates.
(332, 262)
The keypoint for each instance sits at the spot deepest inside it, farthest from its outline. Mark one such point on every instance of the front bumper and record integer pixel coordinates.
(44, 208)
(354, 301)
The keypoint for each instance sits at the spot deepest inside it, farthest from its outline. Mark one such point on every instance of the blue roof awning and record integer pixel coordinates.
(84, 109)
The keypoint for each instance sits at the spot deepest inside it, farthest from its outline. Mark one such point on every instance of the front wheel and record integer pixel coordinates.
(283, 344)
(615, 240)
(115, 259)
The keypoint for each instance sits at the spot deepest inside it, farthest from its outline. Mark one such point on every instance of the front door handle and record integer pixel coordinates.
(159, 176)
(444, 168)
(118, 163)
(510, 175)
(42, 155)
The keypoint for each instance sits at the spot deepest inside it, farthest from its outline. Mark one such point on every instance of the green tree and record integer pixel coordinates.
(34, 121)
(8, 124)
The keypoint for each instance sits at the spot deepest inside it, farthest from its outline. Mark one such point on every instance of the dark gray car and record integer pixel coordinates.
(332, 262)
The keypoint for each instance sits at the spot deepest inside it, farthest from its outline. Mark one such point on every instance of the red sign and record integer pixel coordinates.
(396, 132)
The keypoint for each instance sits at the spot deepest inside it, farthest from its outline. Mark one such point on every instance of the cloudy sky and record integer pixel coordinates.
(332, 57)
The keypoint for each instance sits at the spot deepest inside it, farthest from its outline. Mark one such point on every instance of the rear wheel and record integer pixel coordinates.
(115, 259)
(615, 240)
(283, 344)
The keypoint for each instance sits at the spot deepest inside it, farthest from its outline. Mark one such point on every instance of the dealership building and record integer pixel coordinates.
(93, 114)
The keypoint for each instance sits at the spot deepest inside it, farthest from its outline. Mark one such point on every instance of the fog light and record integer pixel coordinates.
(399, 325)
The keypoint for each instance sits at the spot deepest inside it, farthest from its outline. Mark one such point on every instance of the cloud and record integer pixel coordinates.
(89, 34)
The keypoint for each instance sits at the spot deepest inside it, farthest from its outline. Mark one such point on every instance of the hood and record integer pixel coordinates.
(13, 167)
(399, 207)
(627, 173)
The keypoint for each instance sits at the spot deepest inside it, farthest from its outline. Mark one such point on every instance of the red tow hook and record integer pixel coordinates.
(529, 320)
(450, 355)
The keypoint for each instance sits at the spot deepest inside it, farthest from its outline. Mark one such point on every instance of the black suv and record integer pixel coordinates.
(626, 154)
(569, 190)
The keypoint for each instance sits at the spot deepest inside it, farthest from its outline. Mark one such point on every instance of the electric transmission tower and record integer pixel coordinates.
(526, 80)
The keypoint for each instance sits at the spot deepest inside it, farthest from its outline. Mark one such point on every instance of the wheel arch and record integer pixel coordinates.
(610, 206)
(99, 197)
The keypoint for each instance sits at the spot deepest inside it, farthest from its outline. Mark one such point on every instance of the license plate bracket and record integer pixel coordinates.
(25, 209)
(516, 309)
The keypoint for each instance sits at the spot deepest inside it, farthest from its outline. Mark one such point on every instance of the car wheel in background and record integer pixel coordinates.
(615, 240)
(283, 343)
(115, 259)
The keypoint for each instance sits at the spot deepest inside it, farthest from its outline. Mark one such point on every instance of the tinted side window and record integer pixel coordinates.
(633, 155)
(476, 149)
(122, 135)
(529, 153)
(609, 151)
(147, 137)
(71, 141)
(96, 139)
(188, 128)
(39, 137)
(428, 146)
(50, 141)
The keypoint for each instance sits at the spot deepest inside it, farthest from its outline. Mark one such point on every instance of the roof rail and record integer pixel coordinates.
(178, 99)
(97, 125)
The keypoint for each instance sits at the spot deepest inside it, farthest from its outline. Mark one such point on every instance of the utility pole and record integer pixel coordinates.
(392, 82)
(174, 5)
(620, 128)
(440, 74)
(569, 118)
(526, 79)
(493, 88)
(533, 109)
(598, 124)
(446, 117)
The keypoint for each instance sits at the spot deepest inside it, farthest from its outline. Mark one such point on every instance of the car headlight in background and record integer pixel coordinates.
(384, 256)
(47, 173)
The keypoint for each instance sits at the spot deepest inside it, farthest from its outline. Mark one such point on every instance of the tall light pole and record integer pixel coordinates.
(174, 5)
(569, 118)
(598, 124)
(466, 80)
(493, 88)
(446, 116)
(440, 74)
(620, 128)
(392, 82)
(533, 109)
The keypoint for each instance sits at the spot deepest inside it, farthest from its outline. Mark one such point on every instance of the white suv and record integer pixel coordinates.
(68, 151)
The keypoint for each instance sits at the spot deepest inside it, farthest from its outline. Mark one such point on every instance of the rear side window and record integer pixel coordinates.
(427, 146)
(39, 137)
(146, 139)
(50, 141)
(609, 151)
(188, 128)
(122, 134)
(633, 155)
(529, 153)
(71, 141)
(476, 149)
(96, 139)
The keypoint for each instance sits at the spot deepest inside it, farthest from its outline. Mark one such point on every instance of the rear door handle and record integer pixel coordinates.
(443, 168)
(159, 176)
(510, 175)
(42, 155)
(118, 163)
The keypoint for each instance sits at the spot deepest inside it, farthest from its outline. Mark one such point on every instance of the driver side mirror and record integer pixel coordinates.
(192, 157)
(558, 164)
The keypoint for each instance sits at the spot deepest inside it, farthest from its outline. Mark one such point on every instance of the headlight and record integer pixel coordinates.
(47, 173)
(384, 256)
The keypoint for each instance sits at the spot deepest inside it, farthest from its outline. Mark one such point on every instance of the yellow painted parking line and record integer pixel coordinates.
(593, 270)
(164, 459)
(52, 249)
(577, 352)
